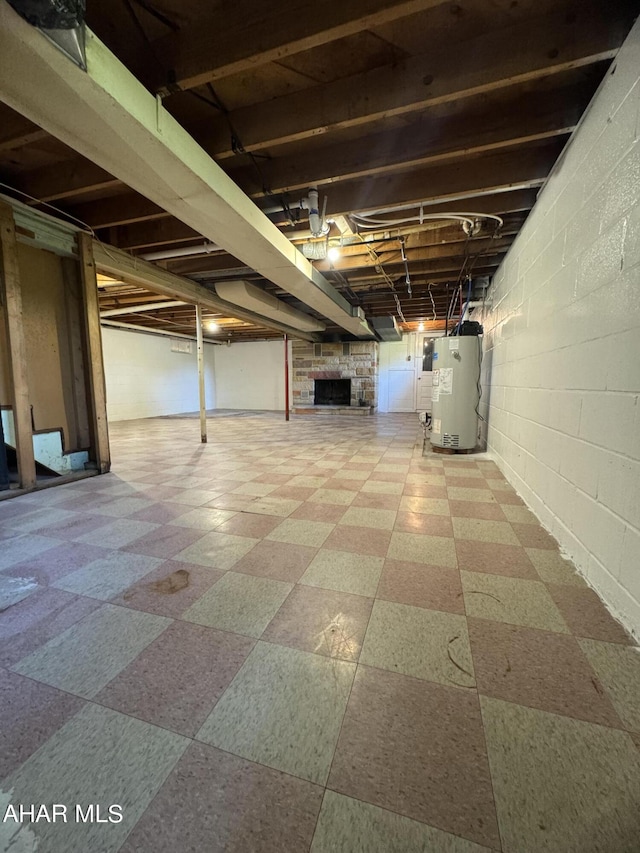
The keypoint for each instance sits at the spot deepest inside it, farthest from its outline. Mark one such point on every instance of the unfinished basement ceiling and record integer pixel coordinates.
(396, 109)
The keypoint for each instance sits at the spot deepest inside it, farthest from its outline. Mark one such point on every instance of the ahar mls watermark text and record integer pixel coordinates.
(60, 813)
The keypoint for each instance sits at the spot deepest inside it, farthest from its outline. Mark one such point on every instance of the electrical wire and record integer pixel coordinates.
(478, 383)
(372, 221)
(433, 304)
(85, 227)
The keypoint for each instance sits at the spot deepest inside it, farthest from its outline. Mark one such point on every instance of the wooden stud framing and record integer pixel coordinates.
(95, 362)
(12, 298)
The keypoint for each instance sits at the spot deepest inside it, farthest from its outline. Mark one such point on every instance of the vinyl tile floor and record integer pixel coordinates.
(306, 636)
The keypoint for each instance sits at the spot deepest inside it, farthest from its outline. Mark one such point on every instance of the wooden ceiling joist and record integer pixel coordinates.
(492, 61)
(249, 34)
(524, 168)
(68, 179)
(17, 131)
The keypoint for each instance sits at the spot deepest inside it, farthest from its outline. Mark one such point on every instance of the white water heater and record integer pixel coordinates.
(456, 391)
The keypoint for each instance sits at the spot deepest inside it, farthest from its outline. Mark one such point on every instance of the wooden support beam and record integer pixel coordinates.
(95, 362)
(16, 346)
(453, 134)
(526, 51)
(76, 352)
(124, 266)
(250, 34)
(201, 388)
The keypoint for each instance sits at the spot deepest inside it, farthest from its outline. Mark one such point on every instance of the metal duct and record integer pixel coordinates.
(386, 328)
(254, 299)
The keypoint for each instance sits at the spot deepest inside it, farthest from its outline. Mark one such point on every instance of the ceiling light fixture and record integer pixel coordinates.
(334, 253)
(421, 326)
(212, 326)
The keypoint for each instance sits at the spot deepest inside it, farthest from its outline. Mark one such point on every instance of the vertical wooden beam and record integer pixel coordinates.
(201, 389)
(75, 355)
(95, 360)
(12, 297)
(286, 377)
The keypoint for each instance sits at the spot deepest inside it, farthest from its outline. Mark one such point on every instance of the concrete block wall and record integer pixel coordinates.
(561, 371)
(250, 375)
(144, 378)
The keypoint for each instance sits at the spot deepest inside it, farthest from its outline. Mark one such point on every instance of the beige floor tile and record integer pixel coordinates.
(257, 489)
(428, 506)
(519, 514)
(513, 600)
(240, 603)
(344, 572)
(298, 531)
(346, 474)
(458, 493)
(340, 497)
(284, 709)
(307, 481)
(346, 824)
(218, 550)
(482, 530)
(553, 568)
(618, 668)
(203, 518)
(380, 487)
(561, 785)
(426, 479)
(420, 548)
(381, 519)
(388, 468)
(499, 484)
(197, 497)
(274, 506)
(427, 644)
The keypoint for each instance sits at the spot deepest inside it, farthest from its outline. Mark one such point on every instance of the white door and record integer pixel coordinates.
(399, 363)
(424, 370)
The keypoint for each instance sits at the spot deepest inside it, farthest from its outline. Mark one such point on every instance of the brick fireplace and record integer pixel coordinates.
(356, 361)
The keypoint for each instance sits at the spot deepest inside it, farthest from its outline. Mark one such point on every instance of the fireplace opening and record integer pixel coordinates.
(332, 392)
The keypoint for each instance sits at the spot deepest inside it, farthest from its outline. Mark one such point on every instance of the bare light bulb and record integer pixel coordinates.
(334, 253)
(421, 326)
(212, 326)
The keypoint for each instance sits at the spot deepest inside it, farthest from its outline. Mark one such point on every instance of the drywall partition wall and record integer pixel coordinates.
(251, 375)
(145, 378)
(562, 346)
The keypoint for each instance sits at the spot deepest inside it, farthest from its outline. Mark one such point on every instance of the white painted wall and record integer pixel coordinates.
(251, 375)
(563, 346)
(145, 378)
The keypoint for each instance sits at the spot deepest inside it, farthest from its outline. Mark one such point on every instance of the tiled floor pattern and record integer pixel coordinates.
(308, 636)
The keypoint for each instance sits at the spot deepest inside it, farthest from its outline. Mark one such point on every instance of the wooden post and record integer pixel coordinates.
(203, 399)
(95, 362)
(12, 297)
(286, 377)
